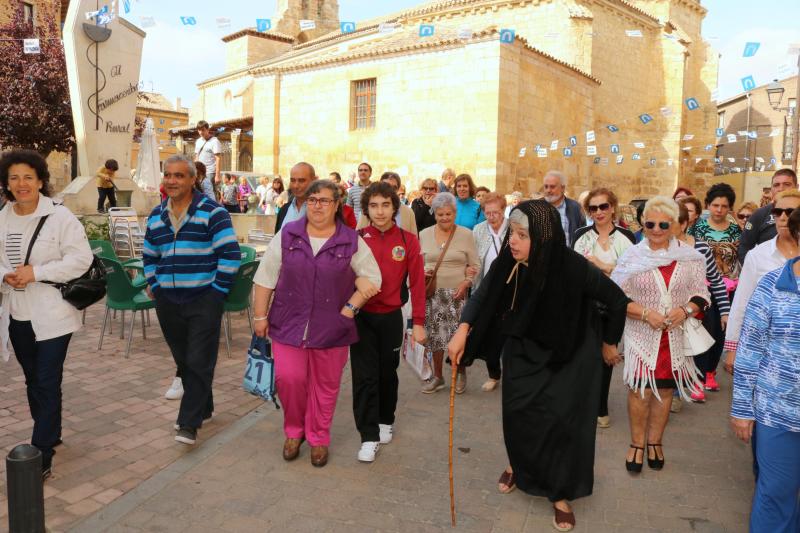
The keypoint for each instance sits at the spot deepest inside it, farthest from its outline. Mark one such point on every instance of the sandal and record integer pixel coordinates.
(635, 466)
(563, 517)
(655, 463)
(291, 448)
(509, 480)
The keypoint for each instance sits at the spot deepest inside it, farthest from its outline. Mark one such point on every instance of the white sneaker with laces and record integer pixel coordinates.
(368, 451)
(386, 431)
(175, 391)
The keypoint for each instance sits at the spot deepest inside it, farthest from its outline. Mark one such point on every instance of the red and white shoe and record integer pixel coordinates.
(698, 396)
(711, 382)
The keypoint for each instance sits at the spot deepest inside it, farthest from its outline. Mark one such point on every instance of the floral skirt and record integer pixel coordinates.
(442, 316)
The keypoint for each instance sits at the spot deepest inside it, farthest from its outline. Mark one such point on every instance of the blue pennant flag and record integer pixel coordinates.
(750, 49)
(748, 83)
(573, 141)
(507, 36)
(652, 161)
(567, 152)
(263, 25)
(692, 104)
(426, 30)
(126, 5)
(597, 160)
(189, 21)
(347, 27)
(720, 132)
(614, 148)
(645, 118)
(636, 156)
(612, 128)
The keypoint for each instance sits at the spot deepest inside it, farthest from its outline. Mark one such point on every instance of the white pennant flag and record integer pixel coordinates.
(697, 160)
(590, 136)
(223, 22)
(465, 33)
(688, 137)
(307, 25)
(666, 111)
(669, 162)
(732, 160)
(522, 151)
(760, 159)
(731, 138)
(554, 145)
(31, 46)
(639, 144)
(541, 152)
(386, 27)
(775, 132)
(633, 33)
(591, 150)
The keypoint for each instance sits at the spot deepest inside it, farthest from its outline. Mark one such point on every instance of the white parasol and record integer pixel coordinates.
(148, 174)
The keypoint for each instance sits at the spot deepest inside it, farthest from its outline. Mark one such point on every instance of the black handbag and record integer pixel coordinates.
(80, 292)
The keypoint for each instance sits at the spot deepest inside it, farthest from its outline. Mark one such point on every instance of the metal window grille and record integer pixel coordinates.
(362, 104)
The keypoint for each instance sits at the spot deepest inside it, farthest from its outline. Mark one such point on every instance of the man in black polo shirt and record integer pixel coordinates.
(761, 226)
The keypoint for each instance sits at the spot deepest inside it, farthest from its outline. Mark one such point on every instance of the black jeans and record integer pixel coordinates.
(102, 194)
(42, 363)
(373, 361)
(605, 387)
(192, 333)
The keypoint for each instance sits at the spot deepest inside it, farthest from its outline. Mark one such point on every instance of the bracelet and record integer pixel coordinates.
(685, 312)
(645, 311)
(259, 318)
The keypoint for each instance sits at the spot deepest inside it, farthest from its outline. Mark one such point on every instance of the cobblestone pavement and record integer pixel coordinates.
(236, 480)
(117, 426)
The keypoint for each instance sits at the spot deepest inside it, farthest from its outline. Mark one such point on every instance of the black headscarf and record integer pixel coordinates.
(551, 306)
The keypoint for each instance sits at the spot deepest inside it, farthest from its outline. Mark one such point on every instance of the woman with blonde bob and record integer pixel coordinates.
(665, 280)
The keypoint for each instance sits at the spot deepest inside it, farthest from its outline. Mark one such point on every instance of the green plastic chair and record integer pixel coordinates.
(248, 253)
(238, 298)
(123, 295)
(106, 249)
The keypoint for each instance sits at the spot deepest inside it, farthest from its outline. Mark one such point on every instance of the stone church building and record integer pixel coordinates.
(471, 96)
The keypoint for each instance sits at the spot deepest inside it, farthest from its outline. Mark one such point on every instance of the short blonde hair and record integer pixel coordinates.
(664, 205)
(791, 193)
(495, 197)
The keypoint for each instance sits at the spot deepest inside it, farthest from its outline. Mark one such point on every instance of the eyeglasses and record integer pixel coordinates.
(661, 225)
(324, 202)
(601, 207)
(490, 214)
(429, 188)
(742, 216)
(778, 211)
(363, 170)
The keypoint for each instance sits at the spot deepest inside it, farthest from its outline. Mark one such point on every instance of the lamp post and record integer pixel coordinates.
(775, 94)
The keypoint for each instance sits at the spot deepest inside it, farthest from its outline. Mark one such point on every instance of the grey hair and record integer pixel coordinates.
(556, 174)
(318, 185)
(180, 158)
(443, 199)
(664, 205)
(519, 218)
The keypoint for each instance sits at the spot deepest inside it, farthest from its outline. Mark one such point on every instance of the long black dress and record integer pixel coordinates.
(550, 399)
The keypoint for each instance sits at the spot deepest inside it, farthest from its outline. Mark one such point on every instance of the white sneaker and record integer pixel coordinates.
(175, 391)
(386, 431)
(368, 451)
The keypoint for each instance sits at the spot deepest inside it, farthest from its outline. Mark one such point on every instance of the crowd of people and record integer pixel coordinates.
(550, 292)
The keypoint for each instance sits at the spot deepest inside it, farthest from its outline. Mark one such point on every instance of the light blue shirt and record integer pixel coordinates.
(766, 380)
(293, 213)
(562, 210)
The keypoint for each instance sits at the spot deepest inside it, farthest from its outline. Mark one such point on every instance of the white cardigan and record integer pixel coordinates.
(61, 253)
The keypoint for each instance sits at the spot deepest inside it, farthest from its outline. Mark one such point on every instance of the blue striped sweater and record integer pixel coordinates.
(766, 380)
(203, 255)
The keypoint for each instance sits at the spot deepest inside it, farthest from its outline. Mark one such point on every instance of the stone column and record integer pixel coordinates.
(235, 134)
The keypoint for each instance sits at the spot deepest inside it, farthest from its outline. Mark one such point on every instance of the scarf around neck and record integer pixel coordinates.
(641, 258)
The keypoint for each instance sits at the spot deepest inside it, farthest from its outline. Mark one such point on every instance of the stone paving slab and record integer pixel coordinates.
(237, 480)
(117, 425)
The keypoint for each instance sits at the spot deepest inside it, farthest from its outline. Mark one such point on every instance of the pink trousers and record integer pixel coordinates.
(308, 385)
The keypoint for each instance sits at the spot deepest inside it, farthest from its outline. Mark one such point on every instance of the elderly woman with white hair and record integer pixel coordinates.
(666, 281)
(449, 250)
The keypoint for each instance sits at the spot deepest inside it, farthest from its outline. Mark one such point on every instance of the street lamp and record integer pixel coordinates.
(775, 94)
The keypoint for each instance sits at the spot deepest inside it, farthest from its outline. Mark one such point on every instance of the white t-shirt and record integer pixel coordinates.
(205, 150)
(16, 248)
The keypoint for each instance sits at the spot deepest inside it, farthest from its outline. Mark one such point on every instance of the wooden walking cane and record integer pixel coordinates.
(450, 456)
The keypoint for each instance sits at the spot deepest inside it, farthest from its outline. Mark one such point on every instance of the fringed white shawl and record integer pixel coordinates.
(637, 274)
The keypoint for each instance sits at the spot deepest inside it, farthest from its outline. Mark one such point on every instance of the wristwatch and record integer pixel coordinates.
(352, 307)
(689, 311)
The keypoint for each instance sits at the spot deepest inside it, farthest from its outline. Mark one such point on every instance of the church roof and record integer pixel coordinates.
(252, 32)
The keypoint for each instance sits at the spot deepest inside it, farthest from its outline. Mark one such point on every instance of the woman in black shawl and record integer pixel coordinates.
(538, 304)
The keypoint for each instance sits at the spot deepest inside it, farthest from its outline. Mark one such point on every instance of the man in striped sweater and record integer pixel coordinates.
(191, 257)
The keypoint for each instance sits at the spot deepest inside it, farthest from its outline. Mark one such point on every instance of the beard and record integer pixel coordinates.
(552, 198)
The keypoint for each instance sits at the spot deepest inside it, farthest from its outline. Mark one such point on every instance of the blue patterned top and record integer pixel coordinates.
(766, 381)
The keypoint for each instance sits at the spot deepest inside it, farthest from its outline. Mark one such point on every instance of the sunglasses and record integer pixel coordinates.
(661, 225)
(601, 207)
(778, 211)
(429, 188)
(742, 217)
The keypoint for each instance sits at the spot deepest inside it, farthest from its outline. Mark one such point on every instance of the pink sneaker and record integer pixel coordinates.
(698, 396)
(711, 382)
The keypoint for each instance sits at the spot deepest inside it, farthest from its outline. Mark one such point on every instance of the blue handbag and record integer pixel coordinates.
(259, 376)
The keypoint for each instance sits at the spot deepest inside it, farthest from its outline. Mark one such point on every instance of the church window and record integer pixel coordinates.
(27, 13)
(363, 95)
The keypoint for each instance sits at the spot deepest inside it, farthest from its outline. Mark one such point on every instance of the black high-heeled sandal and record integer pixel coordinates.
(656, 463)
(635, 466)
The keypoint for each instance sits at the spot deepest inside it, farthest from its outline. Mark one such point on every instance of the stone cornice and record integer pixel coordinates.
(251, 32)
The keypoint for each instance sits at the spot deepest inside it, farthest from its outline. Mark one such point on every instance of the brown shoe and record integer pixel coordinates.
(291, 448)
(319, 455)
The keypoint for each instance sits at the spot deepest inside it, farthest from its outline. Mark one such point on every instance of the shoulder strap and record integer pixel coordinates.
(444, 251)
(33, 238)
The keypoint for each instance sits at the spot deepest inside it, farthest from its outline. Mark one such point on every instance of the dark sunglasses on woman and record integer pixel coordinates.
(601, 207)
(778, 211)
(742, 216)
(662, 225)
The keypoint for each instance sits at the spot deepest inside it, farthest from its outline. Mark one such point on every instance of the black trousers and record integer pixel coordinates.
(42, 363)
(373, 361)
(192, 332)
(102, 194)
(605, 387)
(708, 361)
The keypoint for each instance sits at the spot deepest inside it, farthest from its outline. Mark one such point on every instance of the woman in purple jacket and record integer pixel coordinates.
(309, 274)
